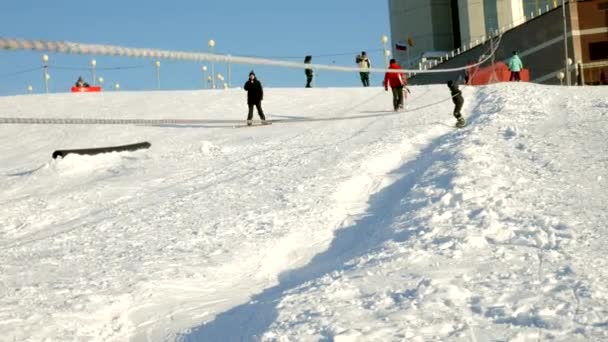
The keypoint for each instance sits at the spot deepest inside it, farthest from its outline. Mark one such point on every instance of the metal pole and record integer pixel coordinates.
(212, 73)
(45, 60)
(229, 73)
(93, 64)
(157, 75)
(567, 67)
(384, 41)
(204, 68)
(211, 44)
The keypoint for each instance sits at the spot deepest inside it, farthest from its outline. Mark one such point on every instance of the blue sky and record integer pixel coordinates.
(331, 31)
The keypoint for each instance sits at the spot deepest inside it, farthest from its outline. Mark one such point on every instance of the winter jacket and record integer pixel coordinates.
(394, 79)
(515, 63)
(308, 71)
(255, 92)
(363, 63)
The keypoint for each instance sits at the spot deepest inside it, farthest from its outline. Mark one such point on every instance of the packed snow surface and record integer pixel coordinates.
(342, 221)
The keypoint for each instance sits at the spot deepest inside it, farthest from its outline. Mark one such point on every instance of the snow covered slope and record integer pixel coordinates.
(345, 222)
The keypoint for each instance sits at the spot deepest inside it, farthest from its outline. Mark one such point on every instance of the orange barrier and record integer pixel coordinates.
(90, 89)
(482, 76)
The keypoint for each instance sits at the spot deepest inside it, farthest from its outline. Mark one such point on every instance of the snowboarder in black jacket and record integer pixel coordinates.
(458, 102)
(308, 71)
(255, 95)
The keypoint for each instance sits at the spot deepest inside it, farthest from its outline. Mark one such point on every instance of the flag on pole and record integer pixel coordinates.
(400, 46)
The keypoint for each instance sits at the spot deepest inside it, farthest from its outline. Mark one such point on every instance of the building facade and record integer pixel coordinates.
(535, 28)
(444, 25)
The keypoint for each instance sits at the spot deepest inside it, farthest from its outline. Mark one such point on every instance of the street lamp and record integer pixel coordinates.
(47, 77)
(567, 66)
(157, 64)
(30, 89)
(116, 86)
(211, 44)
(93, 64)
(100, 81)
(45, 64)
(560, 77)
(384, 40)
(204, 68)
(220, 78)
(209, 80)
(229, 70)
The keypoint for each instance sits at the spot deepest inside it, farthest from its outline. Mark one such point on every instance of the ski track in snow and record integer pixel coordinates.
(387, 227)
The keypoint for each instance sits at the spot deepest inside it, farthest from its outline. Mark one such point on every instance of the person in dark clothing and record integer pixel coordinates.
(458, 102)
(80, 83)
(255, 95)
(364, 64)
(308, 71)
(396, 80)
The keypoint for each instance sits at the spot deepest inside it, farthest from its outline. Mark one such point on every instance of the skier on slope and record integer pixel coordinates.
(255, 95)
(308, 71)
(397, 82)
(515, 66)
(364, 64)
(458, 102)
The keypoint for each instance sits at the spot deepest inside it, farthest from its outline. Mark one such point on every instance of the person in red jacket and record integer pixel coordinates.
(396, 80)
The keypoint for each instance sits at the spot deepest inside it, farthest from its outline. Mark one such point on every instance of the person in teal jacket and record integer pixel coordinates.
(515, 66)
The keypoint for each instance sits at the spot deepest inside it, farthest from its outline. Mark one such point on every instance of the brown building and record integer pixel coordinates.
(540, 44)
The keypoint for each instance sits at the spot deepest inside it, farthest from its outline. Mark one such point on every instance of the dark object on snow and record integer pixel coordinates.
(93, 151)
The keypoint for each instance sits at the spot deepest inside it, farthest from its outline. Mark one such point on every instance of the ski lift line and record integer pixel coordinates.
(109, 50)
(102, 69)
(95, 121)
(316, 56)
(20, 72)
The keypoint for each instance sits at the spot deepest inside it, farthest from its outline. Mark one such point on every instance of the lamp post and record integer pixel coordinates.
(211, 44)
(560, 77)
(93, 64)
(30, 89)
(387, 54)
(384, 40)
(569, 69)
(220, 78)
(567, 66)
(229, 73)
(45, 65)
(204, 69)
(100, 80)
(116, 86)
(157, 65)
(209, 80)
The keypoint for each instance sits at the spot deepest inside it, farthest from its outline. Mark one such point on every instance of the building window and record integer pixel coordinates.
(598, 50)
